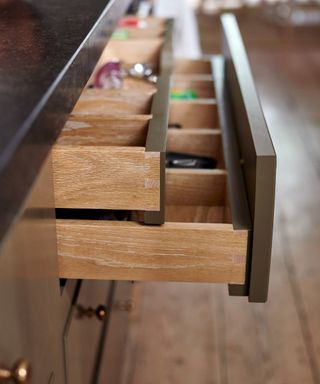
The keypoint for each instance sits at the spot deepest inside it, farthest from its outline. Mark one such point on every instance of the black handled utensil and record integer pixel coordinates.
(184, 160)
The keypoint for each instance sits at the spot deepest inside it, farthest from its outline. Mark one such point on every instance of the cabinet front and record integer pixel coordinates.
(31, 326)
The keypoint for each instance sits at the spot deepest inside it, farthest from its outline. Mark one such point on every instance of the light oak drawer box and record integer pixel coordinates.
(111, 152)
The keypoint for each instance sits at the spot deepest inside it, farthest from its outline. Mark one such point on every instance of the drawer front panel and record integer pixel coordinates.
(113, 356)
(107, 178)
(257, 155)
(30, 320)
(83, 332)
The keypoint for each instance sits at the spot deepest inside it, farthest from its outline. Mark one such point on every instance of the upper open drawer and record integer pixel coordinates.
(218, 221)
(111, 152)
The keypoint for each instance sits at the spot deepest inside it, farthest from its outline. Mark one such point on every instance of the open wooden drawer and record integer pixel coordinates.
(218, 222)
(111, 152)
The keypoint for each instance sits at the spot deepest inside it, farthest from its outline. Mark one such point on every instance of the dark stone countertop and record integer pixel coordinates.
(47, 51)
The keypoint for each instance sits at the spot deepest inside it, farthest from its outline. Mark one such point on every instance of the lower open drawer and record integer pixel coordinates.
(197, 242)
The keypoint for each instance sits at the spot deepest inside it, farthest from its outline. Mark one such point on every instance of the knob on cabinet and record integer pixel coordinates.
(19, 374)
(100, 312)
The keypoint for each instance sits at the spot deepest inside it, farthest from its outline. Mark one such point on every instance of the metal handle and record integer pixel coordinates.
(100, 312)
(19, 374)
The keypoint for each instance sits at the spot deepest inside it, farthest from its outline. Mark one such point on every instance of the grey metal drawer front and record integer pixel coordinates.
(249, 152)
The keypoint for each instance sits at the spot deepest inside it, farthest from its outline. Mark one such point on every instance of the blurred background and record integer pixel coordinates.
(196, 333)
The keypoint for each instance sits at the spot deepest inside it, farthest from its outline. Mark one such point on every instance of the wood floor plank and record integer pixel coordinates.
(176, 341)
(299, 193)
(264, 343)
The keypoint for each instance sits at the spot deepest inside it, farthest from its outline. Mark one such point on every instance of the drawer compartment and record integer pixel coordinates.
(110, 154)
(99, 130)
(197, 141)
(150, 44)
(194, 113)
(203, 187)
(113, 102)
(192, 67)
(202, 88)
(130, 52)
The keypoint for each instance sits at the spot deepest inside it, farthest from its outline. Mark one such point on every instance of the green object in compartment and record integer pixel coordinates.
(120, 34)
(187, 94)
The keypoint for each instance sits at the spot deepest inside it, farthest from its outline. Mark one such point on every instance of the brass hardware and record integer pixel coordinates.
(100, 312)
(19, 374)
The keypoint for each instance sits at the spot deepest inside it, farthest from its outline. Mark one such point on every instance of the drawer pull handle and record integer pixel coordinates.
(19, 374)
(100, 312)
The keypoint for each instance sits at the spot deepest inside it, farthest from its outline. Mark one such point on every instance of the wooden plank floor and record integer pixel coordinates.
(196, 333)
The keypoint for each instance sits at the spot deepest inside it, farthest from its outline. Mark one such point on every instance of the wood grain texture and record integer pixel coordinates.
(195, 187)
(203, 88)
(97, 130)
(196, 141)
(189, 66)
(142, 86)
(176, 338)
(133, 251)
(150, 32)
(200, 113)
(113, 102)
(130, 83)
(196, 214)
(106, 177)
